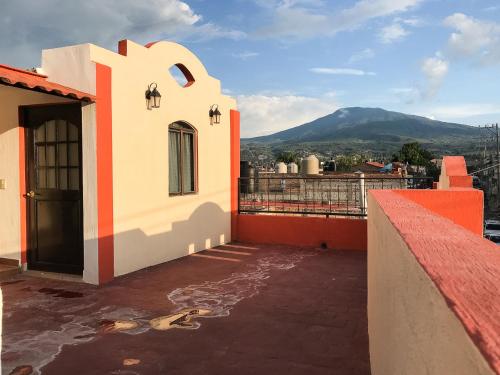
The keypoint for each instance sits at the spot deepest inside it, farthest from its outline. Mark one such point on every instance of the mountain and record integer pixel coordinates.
(357, 124)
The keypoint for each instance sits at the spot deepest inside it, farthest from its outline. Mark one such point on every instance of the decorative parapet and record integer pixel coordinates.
(454, 173)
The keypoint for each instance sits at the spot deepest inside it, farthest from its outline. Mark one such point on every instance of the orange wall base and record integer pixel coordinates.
(463, 207)
(338, 234)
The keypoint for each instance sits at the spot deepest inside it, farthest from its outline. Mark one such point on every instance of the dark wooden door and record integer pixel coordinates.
(54, 187)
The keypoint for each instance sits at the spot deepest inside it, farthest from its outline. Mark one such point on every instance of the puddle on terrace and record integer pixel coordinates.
(83, 319)
(61, 293)
(217, 298)
(4, 283)
(80, 319)
(109, 325)
(22, 370)
(183, 319)
(131, 361)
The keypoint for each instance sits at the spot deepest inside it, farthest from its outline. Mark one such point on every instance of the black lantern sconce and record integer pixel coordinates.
(214, 114)
(153, 96)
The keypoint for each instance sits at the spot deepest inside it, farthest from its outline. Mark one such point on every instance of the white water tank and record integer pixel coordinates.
(292, 168)
(281, 167)
(310, 165)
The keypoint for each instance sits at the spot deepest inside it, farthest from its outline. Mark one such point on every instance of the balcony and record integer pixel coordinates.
(343, 196)
(410, 289)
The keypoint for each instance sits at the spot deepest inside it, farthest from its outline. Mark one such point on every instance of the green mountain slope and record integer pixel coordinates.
(356, 124)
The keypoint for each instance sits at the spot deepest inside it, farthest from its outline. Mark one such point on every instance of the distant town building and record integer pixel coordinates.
(368, 167)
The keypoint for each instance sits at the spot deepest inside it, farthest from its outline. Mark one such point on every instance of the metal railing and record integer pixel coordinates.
(326, 196)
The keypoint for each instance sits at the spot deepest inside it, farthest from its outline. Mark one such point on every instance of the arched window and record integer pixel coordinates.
(182, 157)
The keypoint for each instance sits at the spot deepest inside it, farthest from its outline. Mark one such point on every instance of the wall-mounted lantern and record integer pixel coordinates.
(153, 96)
(214, 114)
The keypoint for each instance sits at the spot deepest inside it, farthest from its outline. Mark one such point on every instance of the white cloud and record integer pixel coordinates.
(473, 38)
(263, 114)
(411, 21)
(464, 111)
(306, 19)
(342, 71)
(245, 55)
(365, 54)
(398, 29)
(28, 26)
(407, 95)
(365, 10)
(493, 8)
(402, 90)
(435, 70)
(392, 33)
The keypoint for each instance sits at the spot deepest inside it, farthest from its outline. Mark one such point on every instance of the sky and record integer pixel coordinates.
(288, 62)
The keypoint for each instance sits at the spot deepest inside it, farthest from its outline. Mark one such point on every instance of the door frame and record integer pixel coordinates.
(27, 238)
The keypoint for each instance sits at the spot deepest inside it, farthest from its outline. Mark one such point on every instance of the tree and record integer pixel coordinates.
(287, 157)
(345, 163)
(414, 154)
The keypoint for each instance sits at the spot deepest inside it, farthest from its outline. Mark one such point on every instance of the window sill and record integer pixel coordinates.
(182, 194)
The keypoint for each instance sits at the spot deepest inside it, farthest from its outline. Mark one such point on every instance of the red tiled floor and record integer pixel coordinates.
(280, 310)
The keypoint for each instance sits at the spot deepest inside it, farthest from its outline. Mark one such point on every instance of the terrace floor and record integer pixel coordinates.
(236, 309)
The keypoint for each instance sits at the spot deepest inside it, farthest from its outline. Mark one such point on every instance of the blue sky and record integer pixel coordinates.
(290, 61)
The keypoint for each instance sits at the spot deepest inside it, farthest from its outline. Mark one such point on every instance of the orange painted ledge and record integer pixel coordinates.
(464, 266)
(462, 206)
(336, 233)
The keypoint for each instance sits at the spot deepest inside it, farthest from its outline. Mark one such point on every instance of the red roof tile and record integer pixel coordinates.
(38, 82)
(375, 164)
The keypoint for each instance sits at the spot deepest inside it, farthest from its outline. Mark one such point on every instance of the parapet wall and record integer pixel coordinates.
(462, 206)
(336, 233)
(454, 173)
(432, 289)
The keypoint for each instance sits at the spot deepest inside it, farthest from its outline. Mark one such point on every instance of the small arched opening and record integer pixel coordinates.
(182, 75)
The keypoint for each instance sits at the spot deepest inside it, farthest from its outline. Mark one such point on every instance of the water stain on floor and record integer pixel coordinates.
(108, 325)
(4, 283)
(85, 320)
(183, 319)
(131, 361)
(219, 297)
(61, 293)
(22, 370)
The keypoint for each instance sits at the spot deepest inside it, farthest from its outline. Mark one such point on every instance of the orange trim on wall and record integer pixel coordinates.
(336, 233)
(151, 44)
(104, 145)
(460, 181)
(234, 117)
(22, 190)
(464, 207)
(122, 47)
(455, 165)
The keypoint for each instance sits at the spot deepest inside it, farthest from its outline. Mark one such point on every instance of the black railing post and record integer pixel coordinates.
(239, 195)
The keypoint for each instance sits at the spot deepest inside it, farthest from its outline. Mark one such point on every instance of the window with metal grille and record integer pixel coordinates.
(57, 155)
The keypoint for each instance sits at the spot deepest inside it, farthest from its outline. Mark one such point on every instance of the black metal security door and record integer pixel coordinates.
(54, 187)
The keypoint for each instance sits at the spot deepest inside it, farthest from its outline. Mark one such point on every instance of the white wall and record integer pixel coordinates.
(89, 173)
(150, 226)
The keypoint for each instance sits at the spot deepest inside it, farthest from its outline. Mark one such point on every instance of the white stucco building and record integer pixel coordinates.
(94, 180)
